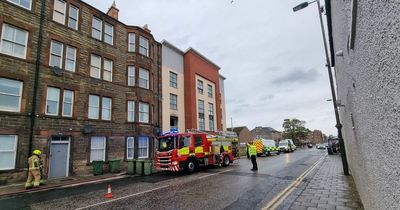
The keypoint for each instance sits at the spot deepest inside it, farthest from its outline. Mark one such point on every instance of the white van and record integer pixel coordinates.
(287, 145)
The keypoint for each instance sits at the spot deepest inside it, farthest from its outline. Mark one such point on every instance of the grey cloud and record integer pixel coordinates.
(298, 75)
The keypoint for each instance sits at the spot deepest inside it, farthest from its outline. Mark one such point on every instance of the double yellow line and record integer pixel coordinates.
(278, 199)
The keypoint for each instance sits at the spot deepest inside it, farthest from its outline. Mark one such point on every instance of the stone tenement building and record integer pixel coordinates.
(91, 94)
(365, 50)
(315, 137)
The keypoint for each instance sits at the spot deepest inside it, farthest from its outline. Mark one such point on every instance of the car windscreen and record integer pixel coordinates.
(283, 143)
(268, 143)
(167, 143)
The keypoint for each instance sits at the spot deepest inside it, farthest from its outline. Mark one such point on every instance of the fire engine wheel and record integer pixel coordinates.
(190, 166)
(226, 161)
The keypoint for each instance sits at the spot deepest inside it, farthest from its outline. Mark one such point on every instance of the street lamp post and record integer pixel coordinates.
(328, 64)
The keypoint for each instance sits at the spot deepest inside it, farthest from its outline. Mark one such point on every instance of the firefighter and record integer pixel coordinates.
(253, 155)
(34, 170)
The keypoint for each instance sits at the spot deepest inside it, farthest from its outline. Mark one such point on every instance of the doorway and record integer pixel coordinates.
(59, 156)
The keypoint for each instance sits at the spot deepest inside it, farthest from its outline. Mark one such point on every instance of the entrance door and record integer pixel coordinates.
(59, 156)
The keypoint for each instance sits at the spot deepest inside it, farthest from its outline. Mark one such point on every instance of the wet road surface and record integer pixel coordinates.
(233, 187)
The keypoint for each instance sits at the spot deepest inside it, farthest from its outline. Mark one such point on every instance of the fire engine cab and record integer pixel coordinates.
(188, 151)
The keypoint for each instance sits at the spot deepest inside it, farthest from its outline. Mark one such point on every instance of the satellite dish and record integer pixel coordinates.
(57, 70)
(87, 129)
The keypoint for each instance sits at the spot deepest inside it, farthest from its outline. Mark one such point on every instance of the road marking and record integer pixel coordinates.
(205, 176)
(277, 200)
(140, 193)
(120, 198)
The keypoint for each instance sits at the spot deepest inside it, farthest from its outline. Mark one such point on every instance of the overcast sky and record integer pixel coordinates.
(273, 59)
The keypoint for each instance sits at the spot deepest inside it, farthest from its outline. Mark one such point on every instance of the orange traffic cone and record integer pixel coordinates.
(109, 193)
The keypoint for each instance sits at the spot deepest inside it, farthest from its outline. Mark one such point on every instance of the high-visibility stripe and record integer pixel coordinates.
(198, 149)
(183, 151)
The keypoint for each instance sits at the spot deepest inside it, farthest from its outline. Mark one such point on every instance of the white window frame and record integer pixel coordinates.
(171, 96)
(131, 111)
(94, 107)
(100, 31)
(104, 148)
(107, 34)
(10, 151)
(72, 103)
(70, 59)
(147, 147)
(144, 45)
(131, 76)
(73, 18)
(210, 90)
(94, 67)
(131, 42)
(200, 86)
(52, 54)
(142, 113)
(18, 3)
(18, 108)
(13, 42)
(110, 71)
(211, 109)
(105, 108)
(132, 148)
(147, 80)
(57, 102)
(61, 13)
(173, 79)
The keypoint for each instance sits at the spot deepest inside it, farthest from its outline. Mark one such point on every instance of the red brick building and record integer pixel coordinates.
(202, 92)
(91, 94)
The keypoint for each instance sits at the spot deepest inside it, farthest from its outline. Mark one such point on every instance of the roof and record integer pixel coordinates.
(222, 77)
(238, 129)
(264, 129)
(202, 56)
(171, 46)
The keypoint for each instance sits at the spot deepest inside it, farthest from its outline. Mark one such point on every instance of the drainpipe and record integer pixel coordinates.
(37, 71)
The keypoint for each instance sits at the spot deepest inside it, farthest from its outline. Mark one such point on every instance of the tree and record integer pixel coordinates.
(295, 129)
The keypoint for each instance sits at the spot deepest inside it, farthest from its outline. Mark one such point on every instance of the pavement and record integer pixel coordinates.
(329, 188)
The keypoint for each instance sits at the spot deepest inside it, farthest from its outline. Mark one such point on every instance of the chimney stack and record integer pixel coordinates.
(113, 11)
(146, 28)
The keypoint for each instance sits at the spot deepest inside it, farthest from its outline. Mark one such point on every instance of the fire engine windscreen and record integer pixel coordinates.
(167, 143)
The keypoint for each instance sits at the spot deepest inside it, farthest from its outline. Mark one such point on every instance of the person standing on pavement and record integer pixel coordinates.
(34, 170)
(253, 156)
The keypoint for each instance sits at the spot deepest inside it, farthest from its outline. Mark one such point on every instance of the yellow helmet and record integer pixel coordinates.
(37, 152)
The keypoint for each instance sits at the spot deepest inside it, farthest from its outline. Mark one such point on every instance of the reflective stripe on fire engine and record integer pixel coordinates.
(183, 151)
(198, 149)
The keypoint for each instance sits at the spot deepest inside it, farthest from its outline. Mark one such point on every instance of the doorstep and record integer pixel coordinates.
(66, 182)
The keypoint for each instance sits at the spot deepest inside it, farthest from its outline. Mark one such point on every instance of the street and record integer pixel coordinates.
(233, 187)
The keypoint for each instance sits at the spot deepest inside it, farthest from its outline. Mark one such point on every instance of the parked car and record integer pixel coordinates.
(269, 147)
(286, 145)
(309, 145)
(320, 146)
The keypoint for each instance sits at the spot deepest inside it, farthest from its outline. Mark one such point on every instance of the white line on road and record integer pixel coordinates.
(140, 193)
(277, 200)
(127, 196)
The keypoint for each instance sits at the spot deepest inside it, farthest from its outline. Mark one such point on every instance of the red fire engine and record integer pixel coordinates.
(188, 151)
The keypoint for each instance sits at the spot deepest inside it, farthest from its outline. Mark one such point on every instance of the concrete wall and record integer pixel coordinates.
(204, 97)
(368, 82)
(223, 106)
(172, 61)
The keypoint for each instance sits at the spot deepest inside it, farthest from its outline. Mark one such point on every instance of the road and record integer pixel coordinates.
(233, 187)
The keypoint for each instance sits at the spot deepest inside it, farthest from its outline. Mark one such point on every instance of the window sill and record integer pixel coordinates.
(99, 120)
(65, 25)
(12, 113)
(57, 117)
